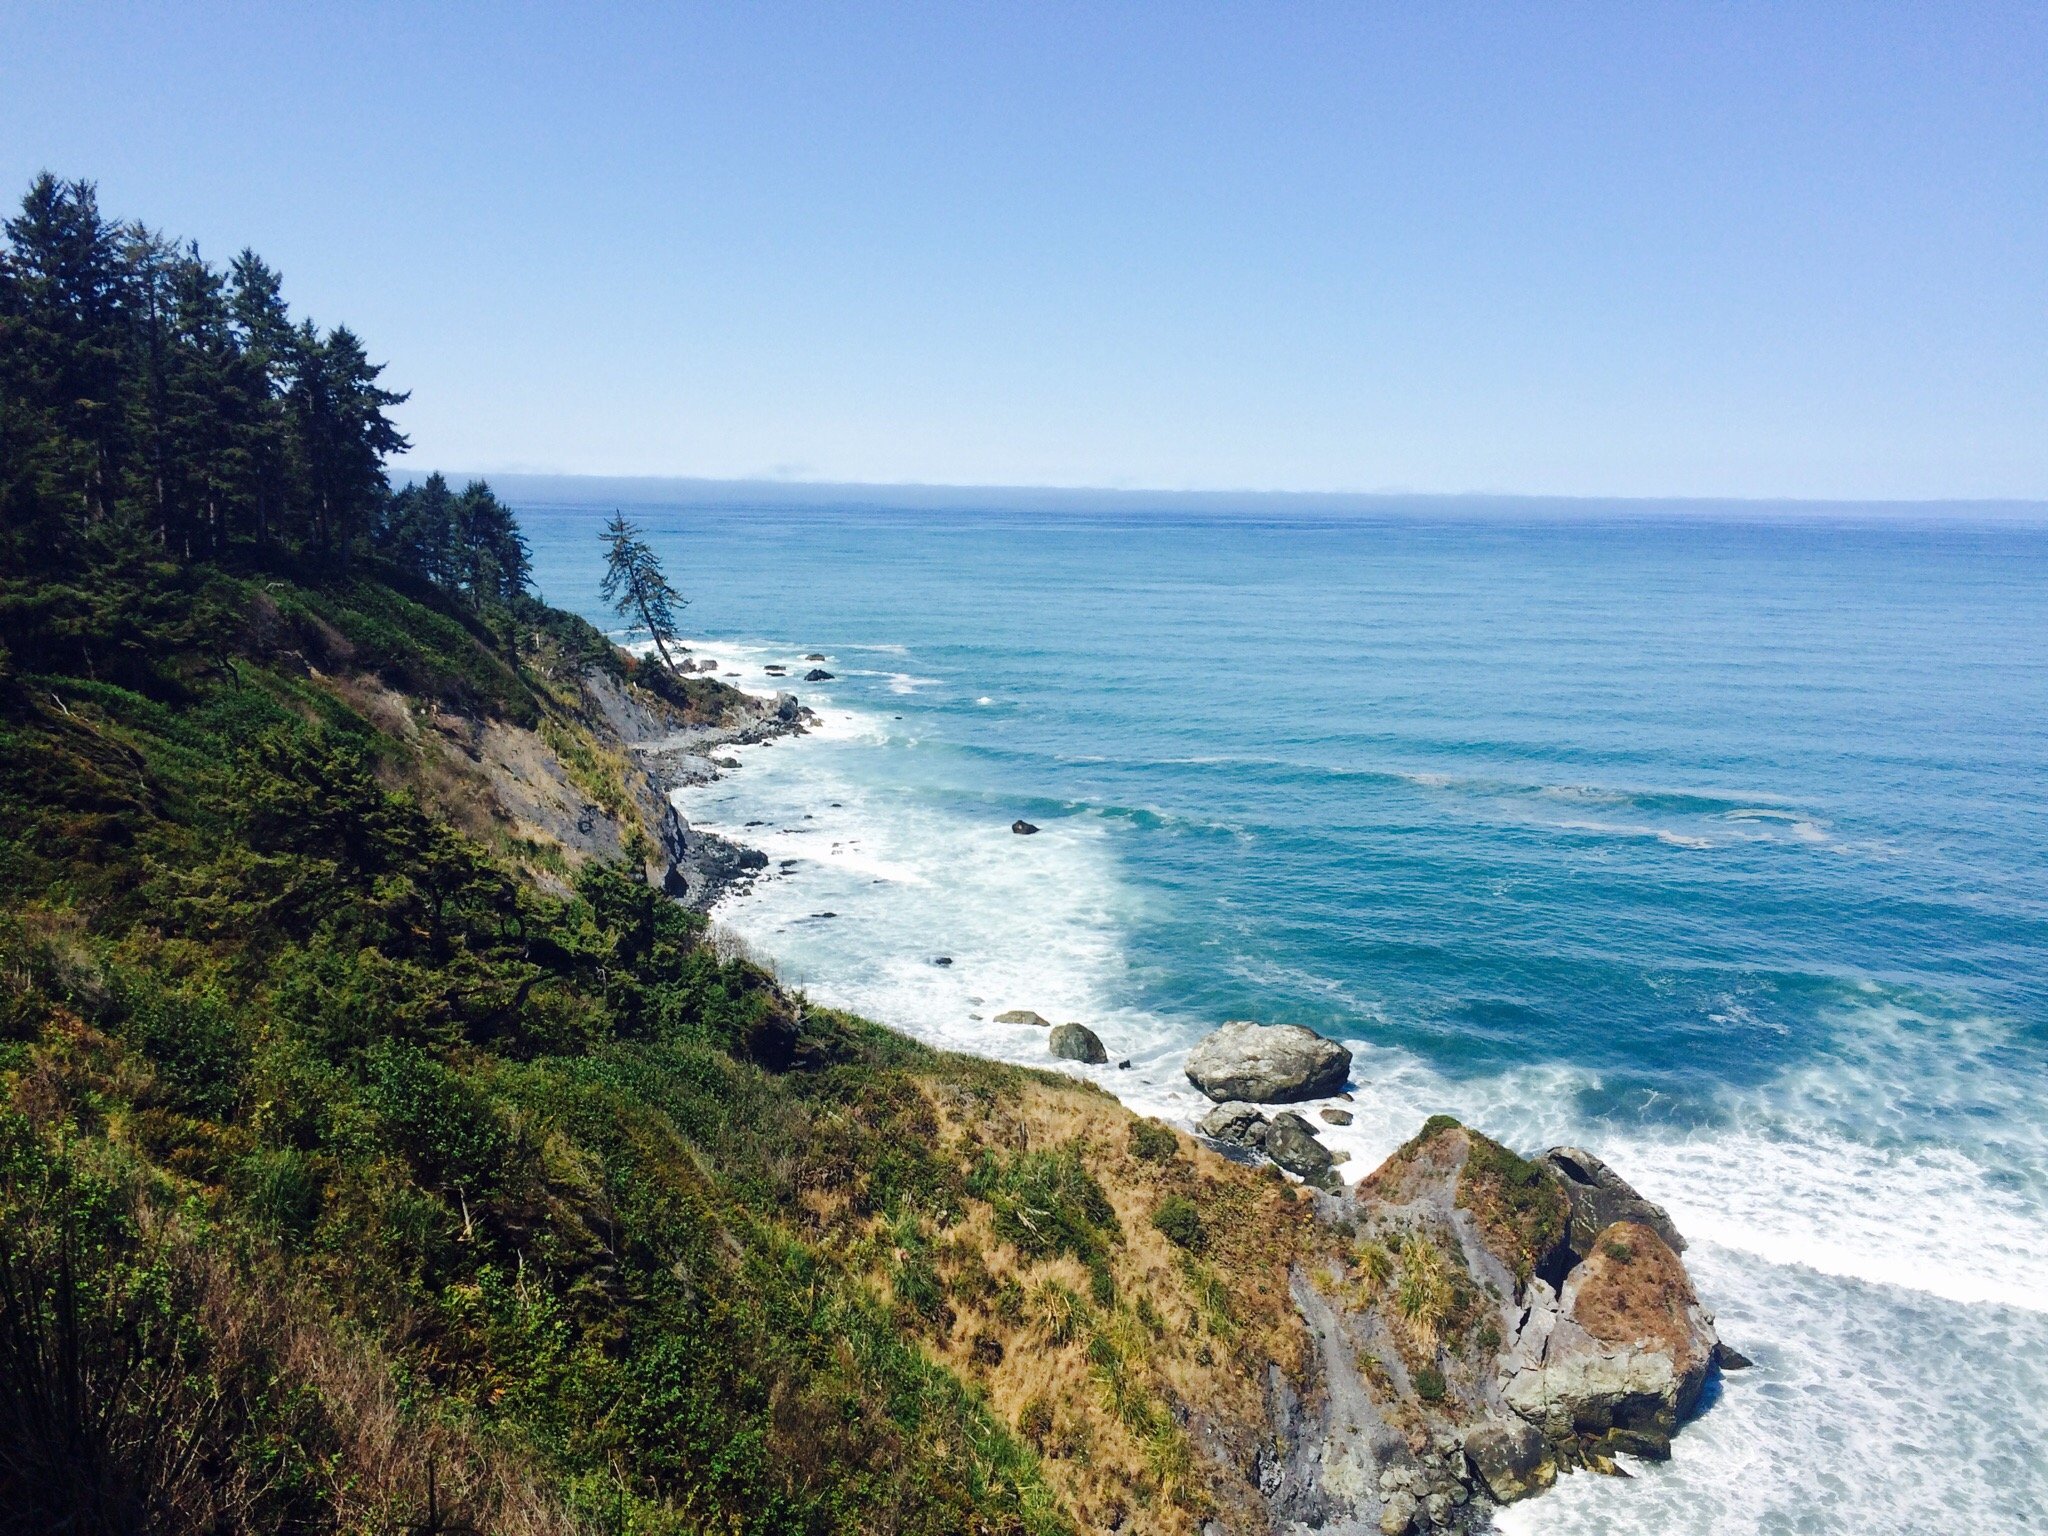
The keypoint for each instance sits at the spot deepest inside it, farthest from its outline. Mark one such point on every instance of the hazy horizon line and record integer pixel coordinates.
(576, 489)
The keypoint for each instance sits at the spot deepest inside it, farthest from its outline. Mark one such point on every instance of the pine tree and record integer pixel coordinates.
(345, 434)
(269, 350)
(497, 566)
(63, 346)
(635, 585)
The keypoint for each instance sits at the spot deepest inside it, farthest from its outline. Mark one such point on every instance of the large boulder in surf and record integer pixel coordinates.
(1600, 1197)
(1618, 1357)
(1267, 1063)
(1077, 1042)
(1023, 1016)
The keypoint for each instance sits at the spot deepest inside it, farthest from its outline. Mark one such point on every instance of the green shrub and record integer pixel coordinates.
(1153, 1142)
(281, 1192)
(440, 1120)
(1177, 1217)
(1047, 1204)
(1429, 1384)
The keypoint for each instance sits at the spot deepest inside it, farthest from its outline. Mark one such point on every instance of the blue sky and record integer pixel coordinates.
(1767, 250)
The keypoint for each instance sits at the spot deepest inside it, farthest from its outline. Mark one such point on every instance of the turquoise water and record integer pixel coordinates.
(1716, 845)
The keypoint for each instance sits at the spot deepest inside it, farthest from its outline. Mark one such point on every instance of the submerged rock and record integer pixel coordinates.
(1267, 1063)
(1077, 1042)
(1022, 1016)
(1600, 1197)
(1336, 1116)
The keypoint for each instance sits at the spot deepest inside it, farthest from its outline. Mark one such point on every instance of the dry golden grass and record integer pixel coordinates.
(1184, 1345)
(1633, 1288)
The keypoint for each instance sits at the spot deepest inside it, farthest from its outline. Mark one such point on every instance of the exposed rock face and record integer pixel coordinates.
(1600, 1197)
(1077, 1042)
(1023, 1016)
(1617, 1357)
(1492, 1401)
(1267, 1063)
(787, 708)
(1512, 1458)
(1237, 1124)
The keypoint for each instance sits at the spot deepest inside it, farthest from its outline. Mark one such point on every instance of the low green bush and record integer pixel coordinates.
(1178, 1218)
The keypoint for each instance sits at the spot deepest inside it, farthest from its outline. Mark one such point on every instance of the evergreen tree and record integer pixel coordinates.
(152, 405)
(468, 544)
(497, 564)
(417, 530)
(635, 585)
(346, 435)
(63, 344)
(263, 329)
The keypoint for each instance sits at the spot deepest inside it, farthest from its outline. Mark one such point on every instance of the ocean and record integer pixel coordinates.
(1715, 841)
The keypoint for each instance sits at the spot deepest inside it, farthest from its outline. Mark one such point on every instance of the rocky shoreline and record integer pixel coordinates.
(1484, 1322)
(700, 868)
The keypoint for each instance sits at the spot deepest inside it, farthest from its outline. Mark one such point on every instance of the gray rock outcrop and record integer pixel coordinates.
(1292, 1144)
(1600, 1197)
(1236, 1124)
(1077, 1042)
(1617, 1357)
(1267, 1063)
(1023, 1016)
(1512, 1458)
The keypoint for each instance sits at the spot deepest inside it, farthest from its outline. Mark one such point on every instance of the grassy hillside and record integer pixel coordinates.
(365, 1165)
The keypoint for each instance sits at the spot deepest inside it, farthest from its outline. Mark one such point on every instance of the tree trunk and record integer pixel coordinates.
(645, 618)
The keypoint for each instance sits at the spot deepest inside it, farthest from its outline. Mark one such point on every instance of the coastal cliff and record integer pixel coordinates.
(366, 1060)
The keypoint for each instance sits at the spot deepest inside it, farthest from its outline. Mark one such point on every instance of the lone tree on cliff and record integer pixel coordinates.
(635, 586)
